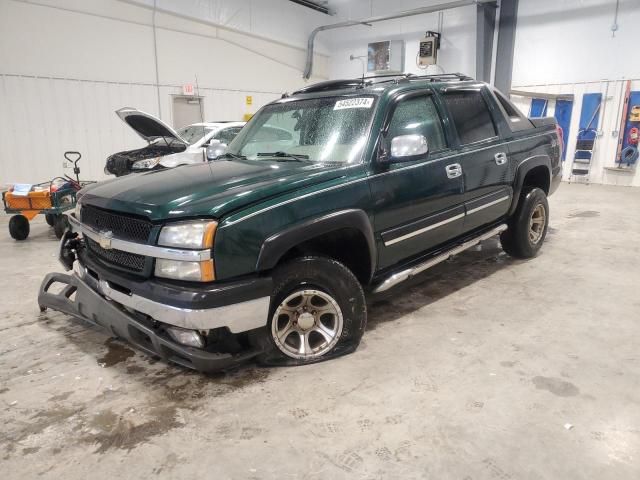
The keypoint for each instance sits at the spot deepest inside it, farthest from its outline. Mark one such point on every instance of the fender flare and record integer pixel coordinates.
(278, 244)
(523, 168)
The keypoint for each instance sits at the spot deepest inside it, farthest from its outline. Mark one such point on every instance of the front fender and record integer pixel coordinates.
(278, 244)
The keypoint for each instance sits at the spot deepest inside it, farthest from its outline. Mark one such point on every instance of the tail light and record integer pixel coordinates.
(560, 138)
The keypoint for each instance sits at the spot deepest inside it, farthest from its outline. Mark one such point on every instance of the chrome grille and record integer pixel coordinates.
(130, 261)
(122, 226)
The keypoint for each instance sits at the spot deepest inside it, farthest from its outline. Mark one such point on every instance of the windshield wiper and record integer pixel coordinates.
(284, 156)
(231, 155)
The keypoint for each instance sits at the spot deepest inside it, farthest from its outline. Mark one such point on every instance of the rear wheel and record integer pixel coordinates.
(50, 218)
(317, 312)
(19, 227)
(60, 224)
(528, 227)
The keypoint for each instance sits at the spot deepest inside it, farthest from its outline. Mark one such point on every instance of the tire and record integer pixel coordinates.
(19, 227)
(60, 225)
(303, 289)
(528, 226)
(50, 218)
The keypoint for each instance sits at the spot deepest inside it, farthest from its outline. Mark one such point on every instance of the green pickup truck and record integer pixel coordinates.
(340, 190)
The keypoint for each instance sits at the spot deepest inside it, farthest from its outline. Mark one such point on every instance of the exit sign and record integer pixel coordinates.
(187, 89)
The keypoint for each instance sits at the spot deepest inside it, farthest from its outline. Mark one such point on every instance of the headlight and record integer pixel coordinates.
(190, 271)
(188, 234)
(146, 164)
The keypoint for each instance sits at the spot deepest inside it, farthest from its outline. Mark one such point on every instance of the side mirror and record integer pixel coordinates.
(215, 149)
(407, 147)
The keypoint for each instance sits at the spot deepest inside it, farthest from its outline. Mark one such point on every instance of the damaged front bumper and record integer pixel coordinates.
(147, 321)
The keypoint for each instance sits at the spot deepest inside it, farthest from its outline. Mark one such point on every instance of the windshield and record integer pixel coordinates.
(318, 130)
(193, 133)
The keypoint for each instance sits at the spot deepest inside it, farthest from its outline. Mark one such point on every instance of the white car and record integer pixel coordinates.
(167, 147)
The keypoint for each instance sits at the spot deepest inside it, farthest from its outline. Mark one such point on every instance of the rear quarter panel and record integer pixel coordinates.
(532, 148)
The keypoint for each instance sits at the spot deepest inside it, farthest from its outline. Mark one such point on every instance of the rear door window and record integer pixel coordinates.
(470, 115)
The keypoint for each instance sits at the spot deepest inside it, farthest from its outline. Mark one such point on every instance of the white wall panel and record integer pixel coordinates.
(571, 41)
(279, 20)
(457, 52)
(67, 65)
(48, 41)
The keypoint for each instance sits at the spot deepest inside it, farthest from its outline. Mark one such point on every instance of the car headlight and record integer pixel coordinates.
(188, 234)
(145, 164)
(192, 234)
(189, 271)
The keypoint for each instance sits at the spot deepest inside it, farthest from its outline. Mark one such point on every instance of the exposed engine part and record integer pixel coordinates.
(120, 163)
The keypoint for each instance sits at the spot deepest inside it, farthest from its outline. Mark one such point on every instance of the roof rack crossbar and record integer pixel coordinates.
(364, 81)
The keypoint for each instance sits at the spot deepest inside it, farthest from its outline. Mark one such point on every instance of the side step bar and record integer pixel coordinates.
(399, 277)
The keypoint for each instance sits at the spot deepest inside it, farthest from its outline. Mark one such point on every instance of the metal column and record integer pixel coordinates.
(506, 41)
(485, 27)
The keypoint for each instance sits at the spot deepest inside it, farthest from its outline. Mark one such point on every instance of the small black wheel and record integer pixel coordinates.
(19, 227)
(317, 312)
(50, 218)
(528, 227)
(60, 225)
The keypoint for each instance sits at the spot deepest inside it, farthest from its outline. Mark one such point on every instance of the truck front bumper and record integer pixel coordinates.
(89, 305)
(144, 312)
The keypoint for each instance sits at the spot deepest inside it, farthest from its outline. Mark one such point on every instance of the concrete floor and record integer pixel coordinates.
(485, 368)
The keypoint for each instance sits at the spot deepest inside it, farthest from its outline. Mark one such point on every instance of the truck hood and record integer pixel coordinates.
(147, 126)
(211, 189)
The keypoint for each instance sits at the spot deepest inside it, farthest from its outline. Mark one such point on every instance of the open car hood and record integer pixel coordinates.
(147, 126)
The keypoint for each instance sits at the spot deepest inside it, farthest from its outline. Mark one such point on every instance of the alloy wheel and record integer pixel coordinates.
(307, 324)
(537, 223)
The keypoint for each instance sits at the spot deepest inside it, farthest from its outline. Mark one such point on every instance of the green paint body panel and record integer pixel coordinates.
(253, 200)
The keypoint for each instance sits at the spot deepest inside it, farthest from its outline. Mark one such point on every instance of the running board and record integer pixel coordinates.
(399, 277)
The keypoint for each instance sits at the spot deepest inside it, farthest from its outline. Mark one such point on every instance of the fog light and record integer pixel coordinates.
(186, 337)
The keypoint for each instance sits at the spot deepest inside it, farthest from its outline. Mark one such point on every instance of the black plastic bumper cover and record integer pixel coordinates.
(92, 307)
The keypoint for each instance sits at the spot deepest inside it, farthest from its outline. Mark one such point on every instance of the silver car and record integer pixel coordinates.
(167, 148)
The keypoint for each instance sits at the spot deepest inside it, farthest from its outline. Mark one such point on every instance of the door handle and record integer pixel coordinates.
(501, 158)
(454, 170)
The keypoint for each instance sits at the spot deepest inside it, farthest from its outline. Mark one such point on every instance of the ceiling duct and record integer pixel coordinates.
(367, 21)
(320, 6)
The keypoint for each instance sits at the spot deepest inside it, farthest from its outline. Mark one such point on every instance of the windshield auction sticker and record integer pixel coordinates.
(362, 102)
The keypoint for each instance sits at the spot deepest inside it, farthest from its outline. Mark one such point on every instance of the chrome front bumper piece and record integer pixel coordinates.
(237, 317)
(79, 300)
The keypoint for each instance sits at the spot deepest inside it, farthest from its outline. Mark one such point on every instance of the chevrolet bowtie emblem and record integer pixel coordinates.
(104, 239)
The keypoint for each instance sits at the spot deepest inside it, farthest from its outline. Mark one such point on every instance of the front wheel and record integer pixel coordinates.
(317, 312)
(19, 227)
(528, 227)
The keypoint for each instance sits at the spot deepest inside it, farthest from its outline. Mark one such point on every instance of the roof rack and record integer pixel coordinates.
(365, 81)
